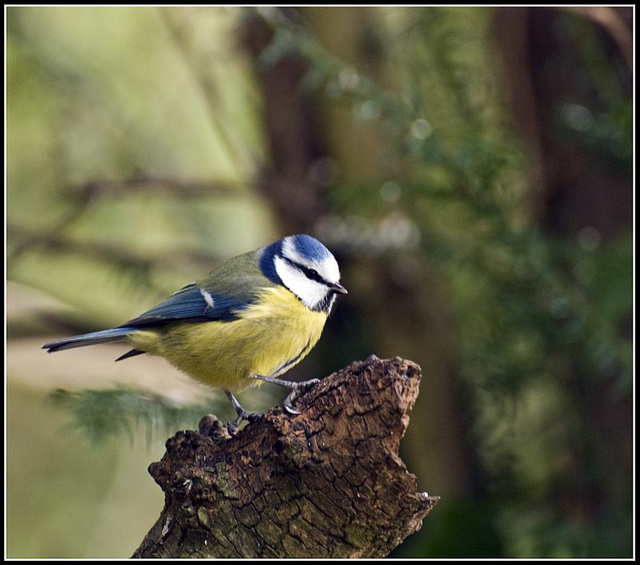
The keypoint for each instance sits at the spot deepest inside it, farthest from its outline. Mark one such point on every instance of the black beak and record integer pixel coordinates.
(338, 288)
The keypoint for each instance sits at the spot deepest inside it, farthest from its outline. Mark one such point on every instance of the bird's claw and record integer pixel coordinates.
(295, 390)
(287, 403)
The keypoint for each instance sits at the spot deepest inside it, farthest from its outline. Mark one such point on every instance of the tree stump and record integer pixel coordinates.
(325, 483)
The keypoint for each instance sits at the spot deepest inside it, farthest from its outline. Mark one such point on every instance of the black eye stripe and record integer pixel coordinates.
(309, 273)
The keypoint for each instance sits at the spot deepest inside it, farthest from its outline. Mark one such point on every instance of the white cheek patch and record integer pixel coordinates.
(309, 291)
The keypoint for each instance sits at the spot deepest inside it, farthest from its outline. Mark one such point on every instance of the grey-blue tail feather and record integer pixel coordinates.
(104, 336)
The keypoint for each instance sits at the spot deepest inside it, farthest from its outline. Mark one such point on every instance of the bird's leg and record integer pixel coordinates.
(295, 387)
(240, 411)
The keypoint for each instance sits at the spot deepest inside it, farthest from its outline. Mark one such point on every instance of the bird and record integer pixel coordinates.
(248, 321)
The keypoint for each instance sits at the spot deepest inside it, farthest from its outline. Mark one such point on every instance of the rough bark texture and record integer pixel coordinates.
(325, 483)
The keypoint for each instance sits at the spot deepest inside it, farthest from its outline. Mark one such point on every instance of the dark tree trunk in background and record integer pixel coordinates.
(577, 189)
(544, 70)
(289, 122)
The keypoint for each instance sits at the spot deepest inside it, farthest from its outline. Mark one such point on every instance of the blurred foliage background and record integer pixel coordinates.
(470, 167)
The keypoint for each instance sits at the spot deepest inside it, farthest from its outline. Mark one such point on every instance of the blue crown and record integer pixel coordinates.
(310, 247)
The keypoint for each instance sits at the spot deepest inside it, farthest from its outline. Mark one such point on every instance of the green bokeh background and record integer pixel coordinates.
(142, 149)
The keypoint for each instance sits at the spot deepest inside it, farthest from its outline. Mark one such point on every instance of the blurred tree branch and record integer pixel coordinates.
(613, 24)
(85, 196)
(124, 258)
(53, 240)
(325, 483)
(174, 186)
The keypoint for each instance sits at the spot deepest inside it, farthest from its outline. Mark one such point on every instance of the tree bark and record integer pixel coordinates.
(325, 483)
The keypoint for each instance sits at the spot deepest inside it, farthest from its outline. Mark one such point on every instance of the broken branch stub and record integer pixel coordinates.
(325, 483)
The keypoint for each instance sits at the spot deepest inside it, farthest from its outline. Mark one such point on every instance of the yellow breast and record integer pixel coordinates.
(268, 338)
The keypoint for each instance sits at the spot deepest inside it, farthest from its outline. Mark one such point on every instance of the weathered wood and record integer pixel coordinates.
(325, 483)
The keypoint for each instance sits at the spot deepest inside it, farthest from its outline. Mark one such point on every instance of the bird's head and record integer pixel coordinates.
(306, 267)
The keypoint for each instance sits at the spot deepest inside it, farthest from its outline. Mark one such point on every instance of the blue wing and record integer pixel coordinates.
(193, 303)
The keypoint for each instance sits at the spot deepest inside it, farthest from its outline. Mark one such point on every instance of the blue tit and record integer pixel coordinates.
(249, 320)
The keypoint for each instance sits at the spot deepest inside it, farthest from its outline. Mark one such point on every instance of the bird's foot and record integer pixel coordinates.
(296, 388)
(234, 426)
